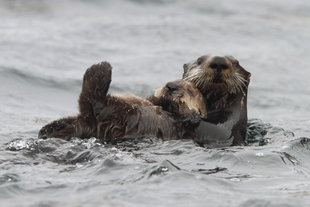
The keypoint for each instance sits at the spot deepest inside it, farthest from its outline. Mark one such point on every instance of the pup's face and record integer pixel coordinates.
(217, 70)
(182, 97)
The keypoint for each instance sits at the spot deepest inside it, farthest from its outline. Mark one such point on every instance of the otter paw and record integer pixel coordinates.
(191, 119)
(62, 128)
(97, 79)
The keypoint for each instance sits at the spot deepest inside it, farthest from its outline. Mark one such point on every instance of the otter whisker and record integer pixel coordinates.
(206, 79)
(231, 84)
(241, 85)
(240, 77)
(202, 80)
(235, 83)
(196, 76)
(238, 83)
(242, 81)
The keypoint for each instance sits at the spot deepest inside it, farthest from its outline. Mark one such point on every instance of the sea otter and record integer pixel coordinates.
(223, 84)
(173, 113)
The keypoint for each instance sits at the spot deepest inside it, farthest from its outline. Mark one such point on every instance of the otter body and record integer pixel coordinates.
(223, 84)
(130, 116)
(209, 106)
(179, 106)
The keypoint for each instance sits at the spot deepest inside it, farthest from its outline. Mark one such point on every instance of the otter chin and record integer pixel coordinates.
(223, 83)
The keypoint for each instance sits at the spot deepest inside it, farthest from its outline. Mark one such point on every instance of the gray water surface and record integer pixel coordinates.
(45, 47)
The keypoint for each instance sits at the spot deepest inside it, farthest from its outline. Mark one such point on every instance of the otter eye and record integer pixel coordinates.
(199, 61)
(224, 66)
(236, 62)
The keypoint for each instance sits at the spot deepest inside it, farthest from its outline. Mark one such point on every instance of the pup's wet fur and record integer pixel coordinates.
(170, 114)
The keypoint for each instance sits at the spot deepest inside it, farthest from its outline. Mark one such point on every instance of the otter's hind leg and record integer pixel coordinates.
(66, 128)
(93, 97)
(52, 129)
(96, 83)
(98, 79)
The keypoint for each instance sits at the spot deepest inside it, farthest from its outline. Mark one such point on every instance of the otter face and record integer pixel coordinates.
(182, 97)
(217, 70)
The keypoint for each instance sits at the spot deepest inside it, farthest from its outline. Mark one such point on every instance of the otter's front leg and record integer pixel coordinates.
(190, 120)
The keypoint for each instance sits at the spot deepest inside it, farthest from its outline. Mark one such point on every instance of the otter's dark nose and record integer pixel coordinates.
(172, 86)
(219, 63)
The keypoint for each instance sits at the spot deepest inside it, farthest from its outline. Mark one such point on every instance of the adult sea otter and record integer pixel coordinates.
(224, 86)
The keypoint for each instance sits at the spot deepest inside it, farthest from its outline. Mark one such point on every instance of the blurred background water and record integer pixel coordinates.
(45, 47)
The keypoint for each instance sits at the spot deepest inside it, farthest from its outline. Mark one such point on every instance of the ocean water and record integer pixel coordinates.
(45, 47)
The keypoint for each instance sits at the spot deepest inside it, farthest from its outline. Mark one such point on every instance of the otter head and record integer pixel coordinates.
(182, 97)
(217, 71)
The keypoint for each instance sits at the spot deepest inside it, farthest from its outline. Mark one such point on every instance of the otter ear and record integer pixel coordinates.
(249, 74)
(235, 62)
(246, 73)
(185, 68)
(188, 66)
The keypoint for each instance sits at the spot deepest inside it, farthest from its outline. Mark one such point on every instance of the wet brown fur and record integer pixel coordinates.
(116, 117)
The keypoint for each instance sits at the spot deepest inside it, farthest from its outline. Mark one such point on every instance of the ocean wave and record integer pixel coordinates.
(261, 133)
(14, 75)
(141, 164)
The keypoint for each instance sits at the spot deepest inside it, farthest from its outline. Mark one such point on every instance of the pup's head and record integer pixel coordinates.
(182, 97)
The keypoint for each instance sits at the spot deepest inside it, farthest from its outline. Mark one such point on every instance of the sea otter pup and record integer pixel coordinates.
(223, 84)
(173, 113)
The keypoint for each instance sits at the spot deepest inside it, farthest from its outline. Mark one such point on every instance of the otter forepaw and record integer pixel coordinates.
(191, 119)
